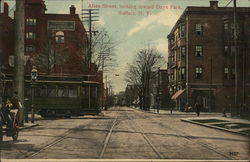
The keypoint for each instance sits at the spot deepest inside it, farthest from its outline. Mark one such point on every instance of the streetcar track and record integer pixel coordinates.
(190, 138)
(47, 145)
(146, 138)
(108, 138)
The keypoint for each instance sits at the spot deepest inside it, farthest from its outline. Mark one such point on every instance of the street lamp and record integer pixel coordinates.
(33, 76)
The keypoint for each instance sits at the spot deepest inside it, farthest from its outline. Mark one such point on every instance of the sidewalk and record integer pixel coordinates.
(212, 120)
(176, 112)
(25, 126)
(232, 125)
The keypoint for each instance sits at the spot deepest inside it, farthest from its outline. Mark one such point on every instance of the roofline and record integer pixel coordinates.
(219, 10)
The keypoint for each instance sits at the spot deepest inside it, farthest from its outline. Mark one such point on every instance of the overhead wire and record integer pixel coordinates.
(229, 3)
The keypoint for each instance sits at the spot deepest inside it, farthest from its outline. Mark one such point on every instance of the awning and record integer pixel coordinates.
(177, 94)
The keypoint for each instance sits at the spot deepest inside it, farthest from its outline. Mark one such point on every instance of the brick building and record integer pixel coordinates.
(55, 43)
(201, 61)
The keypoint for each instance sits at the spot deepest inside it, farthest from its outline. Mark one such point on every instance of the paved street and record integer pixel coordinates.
(125, 133)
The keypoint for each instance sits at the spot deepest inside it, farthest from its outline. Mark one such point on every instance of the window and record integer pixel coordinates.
(182, 30)
(29, 48)
(41, 91)
(172, 41)
(31, 35)
(198, 51)
(59, 37)
(175, 74)
(232, 51)
(237, 30)
(225, 26)
(62, 92)
(73, 92)
(172, 76)
(178, 54)
(226, 50)
(198, 73)
(182, 73)
(94, 92)
(232, 73)
(85, 91)
(183, 51)
(52, 91)
(226, 73)
(30, 21)
(198, 29)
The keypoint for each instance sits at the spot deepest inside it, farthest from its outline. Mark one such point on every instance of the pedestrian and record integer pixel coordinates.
(197, 108)
(7, 116)
(224, 112)
(15, 101)
(186, 107)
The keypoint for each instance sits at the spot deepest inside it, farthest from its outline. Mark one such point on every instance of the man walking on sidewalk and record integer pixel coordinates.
(197, 108)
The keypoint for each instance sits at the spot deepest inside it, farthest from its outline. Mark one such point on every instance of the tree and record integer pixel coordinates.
(103, 49)
(143, 71)
(49, 57)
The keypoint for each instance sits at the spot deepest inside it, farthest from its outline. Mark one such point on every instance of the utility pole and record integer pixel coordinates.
(210, 85)
(19, 56)
(90, 16)
(106, 92)
(235, 59)
(158, 91)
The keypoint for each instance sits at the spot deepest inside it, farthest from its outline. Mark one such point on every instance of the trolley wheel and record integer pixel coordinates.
(15, 130)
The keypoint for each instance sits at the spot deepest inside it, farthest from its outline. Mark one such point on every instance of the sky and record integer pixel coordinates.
(134, 24)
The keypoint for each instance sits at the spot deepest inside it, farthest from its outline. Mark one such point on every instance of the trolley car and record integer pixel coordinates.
(52, 96)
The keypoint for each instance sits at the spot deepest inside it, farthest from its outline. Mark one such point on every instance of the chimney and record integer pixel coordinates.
(6, 9)
(214, 4)
(72, 10)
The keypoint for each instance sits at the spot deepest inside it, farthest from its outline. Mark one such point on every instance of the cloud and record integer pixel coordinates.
(166, 18)
(161, 45)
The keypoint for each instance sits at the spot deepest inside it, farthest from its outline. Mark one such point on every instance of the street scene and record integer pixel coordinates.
(127, 80)
(126, 133)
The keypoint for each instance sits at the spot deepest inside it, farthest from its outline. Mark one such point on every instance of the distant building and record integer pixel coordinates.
(201, 61)
(59, 38)
(163, 89)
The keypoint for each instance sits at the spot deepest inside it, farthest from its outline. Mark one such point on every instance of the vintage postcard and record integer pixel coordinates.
(124, 80)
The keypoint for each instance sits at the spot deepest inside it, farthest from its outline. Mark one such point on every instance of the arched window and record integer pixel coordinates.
(59, 37)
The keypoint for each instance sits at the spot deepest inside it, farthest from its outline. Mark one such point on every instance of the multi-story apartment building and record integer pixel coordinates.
(201, 61)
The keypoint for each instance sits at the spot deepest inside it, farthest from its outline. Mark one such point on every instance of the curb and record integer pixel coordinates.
(188, 113)
(211, 126)
(27, 127)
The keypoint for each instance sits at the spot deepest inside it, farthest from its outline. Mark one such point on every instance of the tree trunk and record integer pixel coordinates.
(19, 55)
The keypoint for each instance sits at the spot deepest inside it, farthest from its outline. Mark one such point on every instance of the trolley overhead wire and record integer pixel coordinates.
(229, 3)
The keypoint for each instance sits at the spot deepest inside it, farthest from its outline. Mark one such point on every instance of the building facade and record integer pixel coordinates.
(55, 43)
(201, 61)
